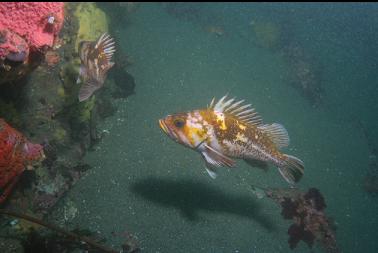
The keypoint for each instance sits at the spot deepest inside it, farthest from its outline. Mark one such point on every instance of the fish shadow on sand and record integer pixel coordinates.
(191, 197)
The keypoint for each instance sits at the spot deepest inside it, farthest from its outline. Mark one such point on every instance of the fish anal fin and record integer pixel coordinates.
(277, 133)
(292, 170)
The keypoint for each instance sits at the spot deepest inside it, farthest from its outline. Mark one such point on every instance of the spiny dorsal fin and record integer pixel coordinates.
(277, 134)
(106, 44)
(244, 113)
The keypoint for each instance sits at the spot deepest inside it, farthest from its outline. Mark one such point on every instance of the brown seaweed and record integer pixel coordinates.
(306, 210)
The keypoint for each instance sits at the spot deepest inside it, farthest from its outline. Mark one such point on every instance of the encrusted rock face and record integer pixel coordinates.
(27, 30)
(92, 22)
(44, 106)
(16, 153)
(37, 23)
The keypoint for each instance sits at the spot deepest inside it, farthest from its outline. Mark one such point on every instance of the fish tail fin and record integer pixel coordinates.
(292, 169)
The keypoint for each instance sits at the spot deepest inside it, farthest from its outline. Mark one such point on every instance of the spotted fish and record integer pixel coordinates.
(227, 129)
(95, 59)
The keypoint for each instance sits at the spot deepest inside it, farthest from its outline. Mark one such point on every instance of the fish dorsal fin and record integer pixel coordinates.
(244, 113)
(277, 133)
(106, 44)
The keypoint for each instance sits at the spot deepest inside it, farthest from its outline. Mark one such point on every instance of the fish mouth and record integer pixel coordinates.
(166, 129)
(163, 126)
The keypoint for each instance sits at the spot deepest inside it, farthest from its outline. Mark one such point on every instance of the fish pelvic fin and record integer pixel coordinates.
(214, 159)
(212, 173)
(292, 169)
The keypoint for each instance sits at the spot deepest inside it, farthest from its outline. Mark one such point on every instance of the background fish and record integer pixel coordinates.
(95, 62)
(228, 129)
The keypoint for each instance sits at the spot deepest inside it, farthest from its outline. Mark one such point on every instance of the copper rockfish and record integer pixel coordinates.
(95, 59)
(227, 129)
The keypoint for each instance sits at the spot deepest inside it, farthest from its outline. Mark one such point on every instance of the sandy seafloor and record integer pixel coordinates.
(144, 183)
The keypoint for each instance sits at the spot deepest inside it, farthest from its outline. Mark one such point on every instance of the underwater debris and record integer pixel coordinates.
(307, 212)
(17, 154)
(37, 243)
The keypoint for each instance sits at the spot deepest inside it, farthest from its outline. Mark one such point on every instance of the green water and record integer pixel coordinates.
(145, 183)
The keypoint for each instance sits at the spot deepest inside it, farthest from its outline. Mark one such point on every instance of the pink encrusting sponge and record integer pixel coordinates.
(28, 26)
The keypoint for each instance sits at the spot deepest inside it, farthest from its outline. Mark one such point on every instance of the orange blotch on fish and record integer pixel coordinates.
(221, 121)
(241, 126)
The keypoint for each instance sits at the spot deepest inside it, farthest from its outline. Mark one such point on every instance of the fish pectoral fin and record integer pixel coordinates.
(257, 163)
(87, 89)
(215, 158)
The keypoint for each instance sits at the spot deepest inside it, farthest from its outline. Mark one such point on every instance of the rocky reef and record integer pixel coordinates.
(39, 66)
(92, 22)
(16, 155)
(27, 30)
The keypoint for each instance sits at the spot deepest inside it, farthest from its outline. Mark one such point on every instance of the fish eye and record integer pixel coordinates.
(179, 123)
